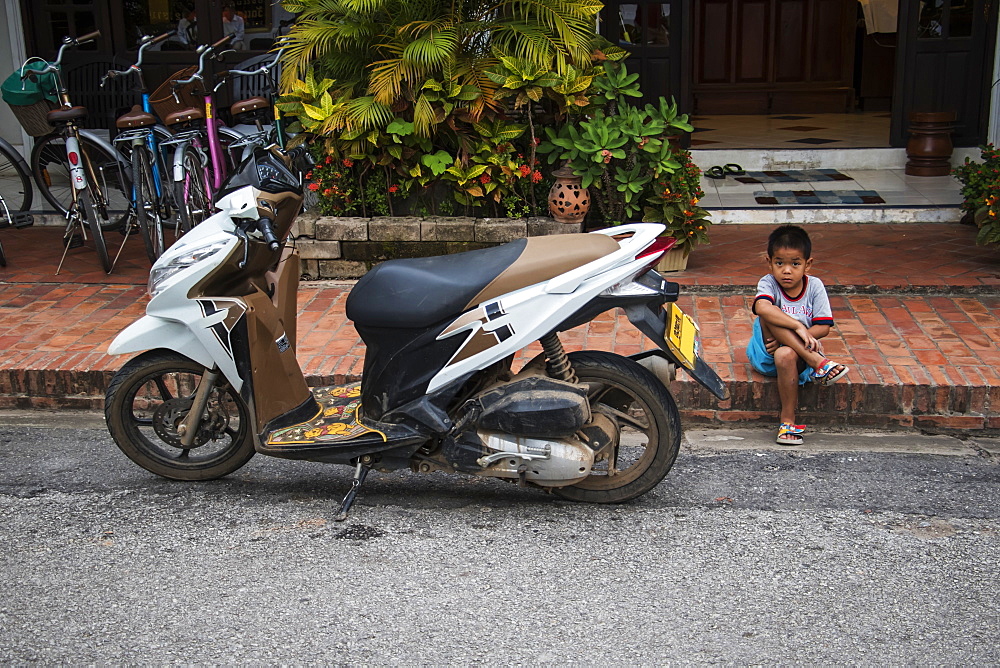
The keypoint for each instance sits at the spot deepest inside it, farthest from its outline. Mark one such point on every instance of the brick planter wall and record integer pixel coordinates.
(334, 247)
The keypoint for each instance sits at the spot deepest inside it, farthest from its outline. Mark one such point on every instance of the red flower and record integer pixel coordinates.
(485, 178)
(536, 176)
(309, 175)
(328, 192)
(524, 169)
(393, 188)
(314, 187)
(348, 162)
(538, 141)
(328, 160)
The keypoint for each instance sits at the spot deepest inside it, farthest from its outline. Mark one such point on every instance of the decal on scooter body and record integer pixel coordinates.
(223, 329)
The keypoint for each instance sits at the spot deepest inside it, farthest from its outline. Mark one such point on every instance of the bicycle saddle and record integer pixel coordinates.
(183, 116)
(251, 104)
(63, 115)
(135, 118)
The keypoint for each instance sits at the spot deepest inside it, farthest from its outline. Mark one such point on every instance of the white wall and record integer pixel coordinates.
(11, 56)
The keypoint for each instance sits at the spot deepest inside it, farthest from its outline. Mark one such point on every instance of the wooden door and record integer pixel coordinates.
(944, 63)
(773, 56)
(655, 33)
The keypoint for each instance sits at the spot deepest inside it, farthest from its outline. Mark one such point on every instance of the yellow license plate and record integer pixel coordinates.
(682, 336)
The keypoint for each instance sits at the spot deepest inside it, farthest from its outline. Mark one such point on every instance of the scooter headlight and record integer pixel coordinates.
(161, 274)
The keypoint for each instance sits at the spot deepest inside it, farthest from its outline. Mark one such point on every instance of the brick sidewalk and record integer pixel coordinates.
(916, 308)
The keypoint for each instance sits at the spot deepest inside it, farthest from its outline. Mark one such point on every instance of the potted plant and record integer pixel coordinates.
(674, 203)
(981, 194)
(616, 148)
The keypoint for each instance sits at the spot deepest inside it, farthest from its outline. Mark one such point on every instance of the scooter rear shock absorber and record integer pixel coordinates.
(559, 364)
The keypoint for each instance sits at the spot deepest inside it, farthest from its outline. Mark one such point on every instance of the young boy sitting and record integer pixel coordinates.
(793, 313)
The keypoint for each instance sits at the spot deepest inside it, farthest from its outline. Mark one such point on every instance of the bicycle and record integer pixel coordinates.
(197, 176)
(259, 111)
(89, 207)
(152, 200)
(15, 191)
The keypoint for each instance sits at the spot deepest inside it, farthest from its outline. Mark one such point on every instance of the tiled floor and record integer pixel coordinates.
(851, 130)
(893, 185)
(917, 310)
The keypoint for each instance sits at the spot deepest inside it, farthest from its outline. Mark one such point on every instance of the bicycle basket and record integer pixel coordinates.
(162, 99)
(32, 98)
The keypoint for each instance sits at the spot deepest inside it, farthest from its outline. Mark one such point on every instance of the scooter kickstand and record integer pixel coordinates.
(360, 473)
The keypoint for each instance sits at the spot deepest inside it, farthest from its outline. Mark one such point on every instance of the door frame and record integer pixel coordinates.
(975, 129)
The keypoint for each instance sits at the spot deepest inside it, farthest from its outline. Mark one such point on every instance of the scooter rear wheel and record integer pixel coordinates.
(649, 428)
(150, 397)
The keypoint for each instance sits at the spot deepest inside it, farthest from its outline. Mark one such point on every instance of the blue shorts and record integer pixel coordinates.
(763, 361)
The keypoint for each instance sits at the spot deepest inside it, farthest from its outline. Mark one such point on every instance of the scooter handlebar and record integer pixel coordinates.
(266, 228)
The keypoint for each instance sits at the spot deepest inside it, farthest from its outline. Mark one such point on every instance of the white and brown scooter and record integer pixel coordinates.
(219, 381)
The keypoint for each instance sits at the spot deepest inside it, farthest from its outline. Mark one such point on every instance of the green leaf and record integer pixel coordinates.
(438, 162)
(398, 126)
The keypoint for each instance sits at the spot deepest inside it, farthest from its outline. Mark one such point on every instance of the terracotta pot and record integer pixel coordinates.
(929, 148)
(568, 201)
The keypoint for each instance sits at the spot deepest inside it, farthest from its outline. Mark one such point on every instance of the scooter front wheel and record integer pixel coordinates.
(150, 397)
(649, 428)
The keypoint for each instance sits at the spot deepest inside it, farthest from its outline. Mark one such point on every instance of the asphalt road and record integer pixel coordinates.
(859, 548)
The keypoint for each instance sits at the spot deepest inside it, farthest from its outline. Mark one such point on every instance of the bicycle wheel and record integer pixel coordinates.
(15, 181)
(94, 222)
(190, 193)
(50, 168)
(4, 215)
(144, 195)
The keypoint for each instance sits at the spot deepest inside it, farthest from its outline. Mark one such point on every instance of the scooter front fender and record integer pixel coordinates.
(150, 332)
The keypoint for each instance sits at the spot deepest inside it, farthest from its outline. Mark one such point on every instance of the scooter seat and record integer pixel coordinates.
(418, 292)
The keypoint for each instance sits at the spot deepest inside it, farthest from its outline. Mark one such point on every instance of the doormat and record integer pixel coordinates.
(817, 197)
(793, 175)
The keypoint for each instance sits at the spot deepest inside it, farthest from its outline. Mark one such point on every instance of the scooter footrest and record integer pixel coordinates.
(337, 426)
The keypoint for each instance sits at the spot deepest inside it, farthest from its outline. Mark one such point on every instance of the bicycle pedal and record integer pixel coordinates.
(126, 229)
(22, 219)
(76, 241)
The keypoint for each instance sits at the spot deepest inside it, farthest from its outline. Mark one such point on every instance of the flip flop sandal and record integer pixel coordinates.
(787, 435)
(827, 373)
(732, 169)
(715, 172)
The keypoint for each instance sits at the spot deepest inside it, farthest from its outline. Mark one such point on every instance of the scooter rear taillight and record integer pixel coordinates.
(655, 250)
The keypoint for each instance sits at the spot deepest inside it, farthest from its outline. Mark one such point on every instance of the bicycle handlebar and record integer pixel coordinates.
(159, 38)
(89, 37)
(145, 42)
(205, 51)
(56, 65)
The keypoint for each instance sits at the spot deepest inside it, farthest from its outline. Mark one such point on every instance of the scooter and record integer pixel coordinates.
(219, 381)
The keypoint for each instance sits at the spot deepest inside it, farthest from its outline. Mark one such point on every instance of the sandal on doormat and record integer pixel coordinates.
(787, 435)
(829, 372)
(715, 172)
(732, 169)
